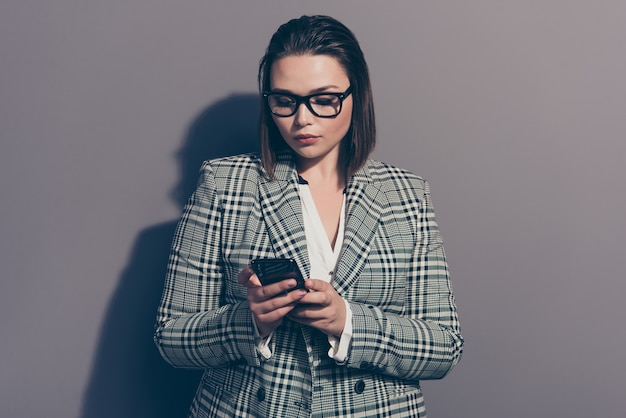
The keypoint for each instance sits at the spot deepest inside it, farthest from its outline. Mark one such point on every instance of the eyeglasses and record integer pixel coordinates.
(323, 105)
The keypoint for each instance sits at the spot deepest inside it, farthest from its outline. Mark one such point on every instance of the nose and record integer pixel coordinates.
(303, 115)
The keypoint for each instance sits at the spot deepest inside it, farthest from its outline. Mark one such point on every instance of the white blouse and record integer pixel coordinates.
(323, 259)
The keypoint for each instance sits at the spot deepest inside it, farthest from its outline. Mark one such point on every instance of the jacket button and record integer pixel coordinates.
(359, 386)
(260, 394)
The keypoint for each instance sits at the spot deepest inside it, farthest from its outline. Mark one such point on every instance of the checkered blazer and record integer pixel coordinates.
(392, 270)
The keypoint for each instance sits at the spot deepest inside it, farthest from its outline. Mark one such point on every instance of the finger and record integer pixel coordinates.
(319, 297)
(254, 281)
(279, 303)
(305, 316)
(280, 289)
(277, 312)
(317, 285)
(305, 308)
(244, 275)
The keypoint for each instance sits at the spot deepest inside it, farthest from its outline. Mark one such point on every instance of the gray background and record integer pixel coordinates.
(514, 111)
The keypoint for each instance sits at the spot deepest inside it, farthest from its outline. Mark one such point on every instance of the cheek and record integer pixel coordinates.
(344, 120)
(282, 124)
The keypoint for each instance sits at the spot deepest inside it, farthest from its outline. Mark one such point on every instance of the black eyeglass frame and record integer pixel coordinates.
(307, 102)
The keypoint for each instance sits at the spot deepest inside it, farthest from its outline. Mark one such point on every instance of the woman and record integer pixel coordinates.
(377, 314)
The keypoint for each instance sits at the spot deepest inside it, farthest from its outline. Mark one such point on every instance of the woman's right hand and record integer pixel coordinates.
(269, 304)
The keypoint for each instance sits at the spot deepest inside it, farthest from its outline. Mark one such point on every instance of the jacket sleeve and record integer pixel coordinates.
(426, 342)
(195, 328)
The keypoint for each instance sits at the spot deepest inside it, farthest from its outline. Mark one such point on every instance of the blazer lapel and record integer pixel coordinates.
(282, 212)
(365, 201)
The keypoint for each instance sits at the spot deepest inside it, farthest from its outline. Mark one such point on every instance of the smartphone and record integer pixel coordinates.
(272, 270)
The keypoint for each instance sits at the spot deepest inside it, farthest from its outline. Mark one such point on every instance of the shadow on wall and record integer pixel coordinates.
(129, 378)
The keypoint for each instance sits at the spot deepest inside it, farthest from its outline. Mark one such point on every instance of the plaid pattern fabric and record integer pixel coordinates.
(392, 270)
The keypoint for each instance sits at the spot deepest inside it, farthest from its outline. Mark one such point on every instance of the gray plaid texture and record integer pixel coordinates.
(392, 270)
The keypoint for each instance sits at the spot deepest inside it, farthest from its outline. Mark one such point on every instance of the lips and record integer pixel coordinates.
(306, 138)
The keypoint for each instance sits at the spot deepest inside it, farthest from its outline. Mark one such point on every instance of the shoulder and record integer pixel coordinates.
(380, 171)
(232, 176)
(392, 178)
(242, 163)
(243, 167)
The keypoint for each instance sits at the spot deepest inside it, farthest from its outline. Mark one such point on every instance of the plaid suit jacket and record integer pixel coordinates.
(392, 270)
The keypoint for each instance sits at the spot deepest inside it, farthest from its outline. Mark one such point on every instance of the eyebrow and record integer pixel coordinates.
(314, 91)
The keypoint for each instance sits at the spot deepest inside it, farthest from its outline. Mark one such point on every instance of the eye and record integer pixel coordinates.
(324, 100)
(283, 101)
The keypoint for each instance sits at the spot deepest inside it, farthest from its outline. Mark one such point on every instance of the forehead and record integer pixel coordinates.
(302, 74)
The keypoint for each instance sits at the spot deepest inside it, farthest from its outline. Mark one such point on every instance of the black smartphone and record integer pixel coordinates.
(272, 270)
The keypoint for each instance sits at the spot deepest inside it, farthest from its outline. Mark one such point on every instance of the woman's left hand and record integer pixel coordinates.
(321, 308)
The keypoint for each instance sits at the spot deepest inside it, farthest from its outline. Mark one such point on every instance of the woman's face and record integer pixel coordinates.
(313, 139)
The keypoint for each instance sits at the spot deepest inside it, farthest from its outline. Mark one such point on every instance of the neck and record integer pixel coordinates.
(322, 173)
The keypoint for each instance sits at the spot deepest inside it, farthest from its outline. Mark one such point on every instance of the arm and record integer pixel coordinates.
(195, 327)
(425, 342)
